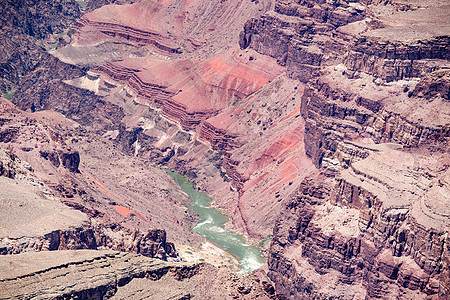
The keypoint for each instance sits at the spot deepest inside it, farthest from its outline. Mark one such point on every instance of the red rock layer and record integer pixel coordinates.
(218, 138)
(139, 24)
(357, 228)
(263, 158)
(155, 93)
(189, 93)
(132, 35)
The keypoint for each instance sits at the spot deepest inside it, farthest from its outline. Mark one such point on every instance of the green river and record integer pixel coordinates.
(211, 227)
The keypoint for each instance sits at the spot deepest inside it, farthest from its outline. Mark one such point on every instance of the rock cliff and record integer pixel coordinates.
(33, 219)
(322, 126)
(376, 126)
(87, 274)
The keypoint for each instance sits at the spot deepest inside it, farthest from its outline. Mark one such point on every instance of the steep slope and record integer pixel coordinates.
(214, 97)
(321, 124)
(87, 274)
(82, 181)
(373, 223)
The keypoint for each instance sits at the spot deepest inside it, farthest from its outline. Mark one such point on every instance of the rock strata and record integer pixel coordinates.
(117, 275)
(82, 274)
(326, 133)
(376, 125)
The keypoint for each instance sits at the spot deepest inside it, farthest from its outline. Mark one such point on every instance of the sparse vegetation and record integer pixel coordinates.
(9, 95)
(264, 241)
(82, 4)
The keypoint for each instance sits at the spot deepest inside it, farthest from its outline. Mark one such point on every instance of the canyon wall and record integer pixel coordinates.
(373, 222)
(110, 274)
(321, 126)
(46, 224)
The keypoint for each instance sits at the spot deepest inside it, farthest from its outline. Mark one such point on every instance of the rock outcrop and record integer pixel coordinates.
(129, 34)
(84, 274)
(87, 236)
(369, 93)
(392, 46)
(88, 274)
(331, 123)
(71, 161)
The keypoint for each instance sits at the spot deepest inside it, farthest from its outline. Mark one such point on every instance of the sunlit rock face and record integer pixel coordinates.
(377, 128)
(213, 111)
(321, 126)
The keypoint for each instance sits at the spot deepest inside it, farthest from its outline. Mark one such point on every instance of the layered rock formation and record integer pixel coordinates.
(333, 116)
(195, 95)
(81, 274)
(109, 274)
(70, 170)
(352, 224)
(189, 93)
(24, 26)
(379, 230)
(33, 219)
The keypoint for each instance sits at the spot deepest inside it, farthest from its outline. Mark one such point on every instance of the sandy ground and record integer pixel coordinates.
(207, 252)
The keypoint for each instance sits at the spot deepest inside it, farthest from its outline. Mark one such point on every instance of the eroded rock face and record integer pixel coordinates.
(71, 161)
(9, 164)
(352, 224)
(372, 39)
(365, 233)
(92, 274)
(33, 219)
(110, 274)
(383, 114)
(334, 114)
(86, 236)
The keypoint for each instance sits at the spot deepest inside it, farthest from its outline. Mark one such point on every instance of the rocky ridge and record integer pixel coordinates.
(354, 157)
(135, 90)
(82, 274)
(353, 222)
(111, 274)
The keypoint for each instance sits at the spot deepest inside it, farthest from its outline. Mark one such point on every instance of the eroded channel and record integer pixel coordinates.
(211, 227)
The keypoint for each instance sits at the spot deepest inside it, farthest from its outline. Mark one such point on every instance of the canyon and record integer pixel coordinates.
(320, 128)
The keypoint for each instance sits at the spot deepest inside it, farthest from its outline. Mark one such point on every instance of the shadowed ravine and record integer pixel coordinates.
(211, 227)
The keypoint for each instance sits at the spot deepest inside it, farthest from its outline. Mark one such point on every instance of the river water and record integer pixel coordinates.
(211, 227)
